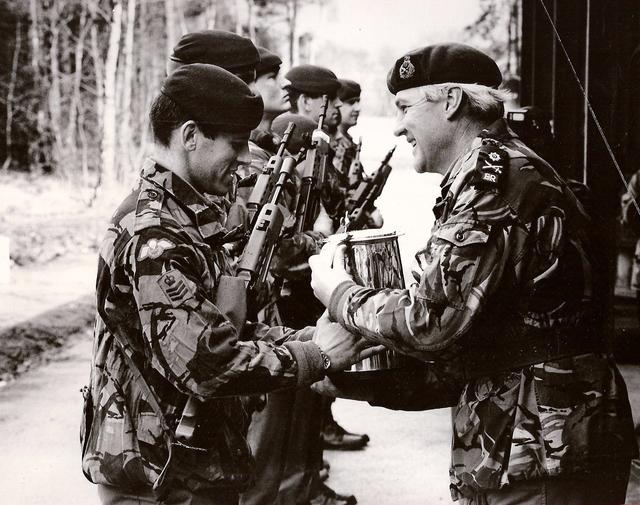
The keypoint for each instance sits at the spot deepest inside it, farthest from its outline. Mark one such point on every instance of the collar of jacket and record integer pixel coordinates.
(208, 212)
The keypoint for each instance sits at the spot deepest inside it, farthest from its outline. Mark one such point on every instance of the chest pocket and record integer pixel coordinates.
(450, 262)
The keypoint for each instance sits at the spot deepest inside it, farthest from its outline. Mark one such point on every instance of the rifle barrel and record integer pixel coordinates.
(285, 138)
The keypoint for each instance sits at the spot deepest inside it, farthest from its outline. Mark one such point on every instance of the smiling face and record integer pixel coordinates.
(425, 126)
(212, 162)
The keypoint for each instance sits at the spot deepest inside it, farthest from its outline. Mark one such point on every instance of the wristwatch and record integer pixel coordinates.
(326, 362)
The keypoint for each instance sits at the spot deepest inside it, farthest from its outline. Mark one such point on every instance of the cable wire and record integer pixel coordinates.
(591, 111)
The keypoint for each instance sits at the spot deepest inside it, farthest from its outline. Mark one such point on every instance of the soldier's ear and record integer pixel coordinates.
(305, 103)
(188, 135)
(453, 101)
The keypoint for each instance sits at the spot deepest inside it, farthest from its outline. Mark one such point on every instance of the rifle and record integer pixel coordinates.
(313, 174)
(365, 195)
(253, 267)
(267, 179)
(355, 169)
(254, 263)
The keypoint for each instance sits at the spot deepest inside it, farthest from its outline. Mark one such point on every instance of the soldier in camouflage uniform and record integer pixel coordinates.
(334, 436)
(345, 148)
(262, 144)
(162, 336)
(272, 426)
(503, 308)
(259, 68)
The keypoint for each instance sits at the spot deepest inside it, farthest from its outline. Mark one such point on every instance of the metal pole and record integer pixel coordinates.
(554, 70)
(585, 143)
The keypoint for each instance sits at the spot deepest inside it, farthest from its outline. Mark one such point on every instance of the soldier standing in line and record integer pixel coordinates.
(235, 54)
(268, 84)
(259, 68)
(349, 94)
(163, 335)
(504, 308)
(272, 426)
(301, 483)
(333, 435)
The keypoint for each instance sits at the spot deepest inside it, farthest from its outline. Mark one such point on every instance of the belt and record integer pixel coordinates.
(522, 346)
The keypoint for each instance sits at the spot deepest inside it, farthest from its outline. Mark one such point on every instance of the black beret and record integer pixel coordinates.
(212, 96)
(348, 89)
(269, 62)
(443, 63)
(216, 47)
(313, 79)
(303, 125)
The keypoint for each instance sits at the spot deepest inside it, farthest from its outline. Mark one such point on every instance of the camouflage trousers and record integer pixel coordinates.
(597, 489)
(110, 495)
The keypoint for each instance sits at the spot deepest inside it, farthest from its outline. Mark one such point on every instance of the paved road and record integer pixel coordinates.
(39, 421)
(40, 463)
(39, 288)
(405, 463)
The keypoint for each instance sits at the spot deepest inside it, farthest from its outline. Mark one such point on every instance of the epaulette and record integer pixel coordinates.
(491, 165)
(148, 208)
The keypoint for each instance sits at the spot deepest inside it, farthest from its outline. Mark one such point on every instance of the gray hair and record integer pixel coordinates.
(483, 102)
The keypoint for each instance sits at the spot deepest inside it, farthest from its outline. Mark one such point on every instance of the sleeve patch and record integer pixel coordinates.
(175, 287)
(154, 248)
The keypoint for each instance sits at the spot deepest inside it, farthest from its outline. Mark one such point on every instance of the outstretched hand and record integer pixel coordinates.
(341, 346)
(328, 270)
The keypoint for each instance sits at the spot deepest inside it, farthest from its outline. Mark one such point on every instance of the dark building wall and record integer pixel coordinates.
(548, 81)
(599, 37)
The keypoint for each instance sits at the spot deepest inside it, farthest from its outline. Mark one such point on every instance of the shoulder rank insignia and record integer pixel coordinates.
(491, 165)
(407, 69)
(174, 286)
(154, 248)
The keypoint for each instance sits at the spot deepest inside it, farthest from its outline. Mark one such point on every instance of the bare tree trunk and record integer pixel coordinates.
(76, 98)
(292, 16)
(98, 66)
(35, 37)
(110, 126)
(10, 96)
(250, 23)
(210, 15)
(55, 93)
(238, 17)
(36, 66)
(125, 131)
(183, 22)
(84, 145)
(170, 15)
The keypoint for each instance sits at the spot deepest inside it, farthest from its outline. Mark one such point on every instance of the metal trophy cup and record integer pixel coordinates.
(373, 260)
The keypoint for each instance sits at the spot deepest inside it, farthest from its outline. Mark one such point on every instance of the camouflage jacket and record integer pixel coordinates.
(344, 182)
(507, 272)
(159, 267)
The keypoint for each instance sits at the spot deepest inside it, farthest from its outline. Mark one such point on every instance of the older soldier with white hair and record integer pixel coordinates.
(504, 308)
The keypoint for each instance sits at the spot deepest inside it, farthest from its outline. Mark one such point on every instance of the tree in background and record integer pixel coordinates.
(77, 76)
(497, 32)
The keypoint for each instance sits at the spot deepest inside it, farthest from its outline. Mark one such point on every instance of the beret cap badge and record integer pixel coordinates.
(407, 69)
